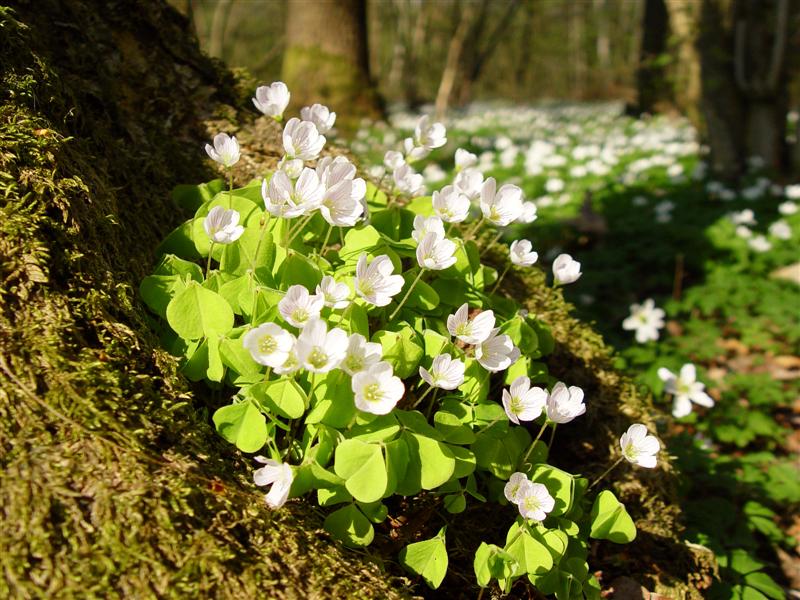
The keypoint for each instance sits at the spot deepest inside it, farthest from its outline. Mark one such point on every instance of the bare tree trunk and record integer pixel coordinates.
(684, 19)
(219, 24)
(453, 59)
(576, 49)
(652, 82)
(326, 57)
(603, 39)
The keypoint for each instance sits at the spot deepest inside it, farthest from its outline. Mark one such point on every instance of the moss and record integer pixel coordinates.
(113, 484)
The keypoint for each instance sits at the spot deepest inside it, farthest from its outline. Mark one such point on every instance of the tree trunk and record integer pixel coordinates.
(454, 51)
(684, 16)
(651, 77)
(326, 58)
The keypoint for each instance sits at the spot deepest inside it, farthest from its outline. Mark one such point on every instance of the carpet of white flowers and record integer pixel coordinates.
(695, 281)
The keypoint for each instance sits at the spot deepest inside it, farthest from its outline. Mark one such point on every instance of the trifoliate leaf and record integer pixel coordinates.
(610, 520)
(242, 424)
(427, 559)
(350, 526)
(362, 467)
(196, 312)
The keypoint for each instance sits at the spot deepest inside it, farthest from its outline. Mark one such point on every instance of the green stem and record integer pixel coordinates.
(606, 472)
(421, 398)
(260, 241)
(297, 229)
(471, 232)
(488, 426)
(230, 187)
(492, 243)
(499, 279)
(408, 293)
(530, 448)
(432, 403)
(552, 436)
(327, 238)
(208, 264)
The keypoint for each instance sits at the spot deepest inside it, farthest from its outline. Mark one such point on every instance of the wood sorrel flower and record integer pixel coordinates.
(361, 354)
(522, 254)
(646, 320)
(429, 135)
(535, 501)
(469, 331)
(318, 349)
(686, 390)
(497, 352)
(335, 294)
(638, 447)
(376, 282)
(446, 372)
(297, 307)
(279, 475)
(565, 403)
(450, 205)
(377, 390)
(302, 140)
(522, 402)
(469, 182)
(222, 225)
(424, 225)
(272, 99)
(566, 269)
(320, 115)
(282, 198)
(502, 206)
(465, 159)
(435, 252)
(269, 344)
(406, 181)
(225, 150)
(393, 159)
(514, 487)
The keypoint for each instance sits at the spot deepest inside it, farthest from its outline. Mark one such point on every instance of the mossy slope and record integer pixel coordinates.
(113, 484)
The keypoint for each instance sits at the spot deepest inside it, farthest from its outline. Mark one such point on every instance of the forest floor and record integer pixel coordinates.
(633, 201)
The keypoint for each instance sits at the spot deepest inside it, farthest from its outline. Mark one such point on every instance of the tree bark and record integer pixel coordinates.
(652, 81)
(326, 58)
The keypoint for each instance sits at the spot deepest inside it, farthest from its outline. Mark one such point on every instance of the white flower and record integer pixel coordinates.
(473, 331)
(554, 185)
(469, 183)
(436, 253)
(502, 206)
(297, 307)
(429, 135)
(320, 116)
(280, 475)
(393, 159)
(522, 402)
(515, 485)
(375, 282)
(759, 243)
(292, 167)
(225, 150)
(638, 447)
(787, 208)
(269, 344)
(743, 217)
(407, 181)
(377, 390)
(320, 350)
(497, 352)
(792, 191)
(335, 294)
(284, 199)
(425, 225)
(361, 354)
(565, 403)
(566, 269)
(302, 140)
(744, 232)
(521, 253)
(646, 320)
(291, 364)
(685, 388)
(781, 230)
(341, 204)
(450, 205)
(535, 501)
(222, 225)
(413, 151)
(528, 214)
(446, 372)
(465, 159)
(272, 99)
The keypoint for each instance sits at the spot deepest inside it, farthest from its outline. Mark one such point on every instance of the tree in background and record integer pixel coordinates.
(652, 78)
(326, 58)
(734, 77)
